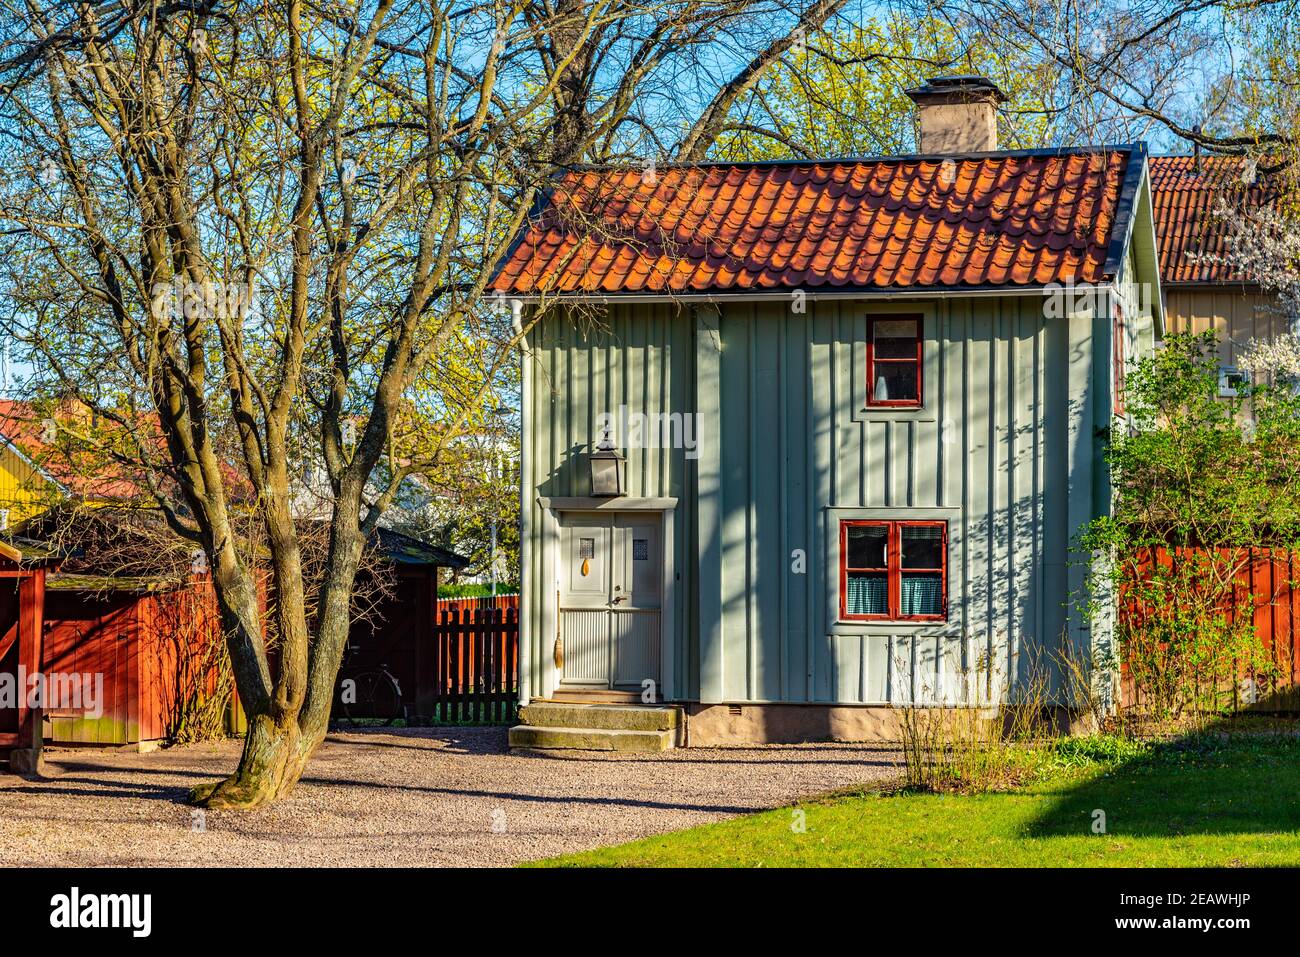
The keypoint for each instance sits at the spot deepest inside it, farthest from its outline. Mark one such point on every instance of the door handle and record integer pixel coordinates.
(618, 598)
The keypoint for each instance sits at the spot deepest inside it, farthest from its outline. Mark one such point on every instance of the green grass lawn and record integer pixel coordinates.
(1209, 801)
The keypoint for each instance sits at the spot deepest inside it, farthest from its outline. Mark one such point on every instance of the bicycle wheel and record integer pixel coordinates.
(378, 698)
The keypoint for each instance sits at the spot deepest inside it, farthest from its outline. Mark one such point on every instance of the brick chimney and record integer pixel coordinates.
(957, 114)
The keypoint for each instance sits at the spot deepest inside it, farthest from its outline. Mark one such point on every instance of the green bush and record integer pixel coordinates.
(1201, 483)
(1096, 749)
(477, 591)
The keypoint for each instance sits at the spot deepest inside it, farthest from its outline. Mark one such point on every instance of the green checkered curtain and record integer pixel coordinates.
(921, 595)
(868, 595)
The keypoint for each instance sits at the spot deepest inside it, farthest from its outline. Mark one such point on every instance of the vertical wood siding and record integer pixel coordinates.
(152, 651)
(1266, 584)
(23, 492)
(794, 441)
(95, 635)
(634, 356)
(1237, 315)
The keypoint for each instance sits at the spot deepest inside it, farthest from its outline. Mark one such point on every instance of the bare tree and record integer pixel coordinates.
(244, 232)
(1217, 75)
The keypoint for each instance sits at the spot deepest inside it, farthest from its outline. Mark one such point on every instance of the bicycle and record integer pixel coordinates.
(374, 696)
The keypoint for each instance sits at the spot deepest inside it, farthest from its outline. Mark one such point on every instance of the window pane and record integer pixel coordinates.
(894, 339)
(922, 546)
(867, 593)
(921, 594)
(867, 546)
(895, 382)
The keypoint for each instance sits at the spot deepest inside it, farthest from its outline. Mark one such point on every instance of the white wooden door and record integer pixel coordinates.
(611, 589)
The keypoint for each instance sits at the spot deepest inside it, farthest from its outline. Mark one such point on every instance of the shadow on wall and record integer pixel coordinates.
(568, 476)
(1238, 775)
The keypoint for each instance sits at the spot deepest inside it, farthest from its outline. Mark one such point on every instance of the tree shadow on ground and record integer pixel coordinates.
(1238, 775)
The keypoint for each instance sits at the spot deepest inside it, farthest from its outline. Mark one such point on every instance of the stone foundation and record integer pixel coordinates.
(736, 725)
(722, 725)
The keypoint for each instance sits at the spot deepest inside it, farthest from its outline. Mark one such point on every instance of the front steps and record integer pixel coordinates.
(598, 696)
(568, 725)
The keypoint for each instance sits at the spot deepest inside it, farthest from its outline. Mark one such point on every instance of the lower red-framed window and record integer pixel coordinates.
(893, 571)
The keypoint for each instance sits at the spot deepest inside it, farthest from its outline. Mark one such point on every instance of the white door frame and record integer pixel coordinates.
(550, 536)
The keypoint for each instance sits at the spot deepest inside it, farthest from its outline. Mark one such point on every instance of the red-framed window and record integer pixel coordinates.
(894, 352)
(893, 571)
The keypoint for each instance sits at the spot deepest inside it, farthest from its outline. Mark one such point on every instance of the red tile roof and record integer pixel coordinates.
(81, 474)
(986, 220)
(82, 471)
(1185, 193)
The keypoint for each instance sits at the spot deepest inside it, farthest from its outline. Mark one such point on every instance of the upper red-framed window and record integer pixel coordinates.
(894, 353)
(893, 570)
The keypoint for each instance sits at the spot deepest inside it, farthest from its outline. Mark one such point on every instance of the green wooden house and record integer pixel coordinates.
(805, 441)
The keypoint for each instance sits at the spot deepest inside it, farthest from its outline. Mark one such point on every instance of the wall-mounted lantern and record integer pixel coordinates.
(607, 470)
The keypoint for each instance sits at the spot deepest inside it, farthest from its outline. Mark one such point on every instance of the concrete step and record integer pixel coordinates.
(574, 695)
(589, 739)
(549, 714)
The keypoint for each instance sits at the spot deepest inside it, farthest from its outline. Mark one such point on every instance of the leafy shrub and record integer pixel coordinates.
(465, 590)
(1097, 749)
(1201, 483)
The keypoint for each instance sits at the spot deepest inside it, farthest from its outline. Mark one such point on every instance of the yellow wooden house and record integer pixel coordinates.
(1203, 291)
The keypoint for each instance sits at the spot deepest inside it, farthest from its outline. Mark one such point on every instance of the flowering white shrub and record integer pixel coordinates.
(1263, 243)
(1277, 357)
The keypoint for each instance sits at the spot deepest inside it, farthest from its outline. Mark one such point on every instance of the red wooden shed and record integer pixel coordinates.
(398, 635)
(154, 643)
(130, 623)
(158, 647)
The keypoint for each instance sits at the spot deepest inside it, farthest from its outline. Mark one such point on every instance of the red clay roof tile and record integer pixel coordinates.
(1185, 195)
(991, 220)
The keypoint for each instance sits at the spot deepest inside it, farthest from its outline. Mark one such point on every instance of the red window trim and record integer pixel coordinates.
(916, 403)
(893, 571)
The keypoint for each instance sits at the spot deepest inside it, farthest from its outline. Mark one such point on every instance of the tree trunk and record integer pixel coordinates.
(281, 740)
(275, 753)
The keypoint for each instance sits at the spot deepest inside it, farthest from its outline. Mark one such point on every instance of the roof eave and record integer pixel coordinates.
(1142, 215)
(1122, 230)
(887, 158)
(1218, 285)
(694, 297)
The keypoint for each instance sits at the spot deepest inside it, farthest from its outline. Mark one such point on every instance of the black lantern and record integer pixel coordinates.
(607, 470)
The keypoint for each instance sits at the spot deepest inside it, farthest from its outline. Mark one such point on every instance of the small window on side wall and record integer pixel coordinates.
(893, 571)
(1232, 381)
(894, 353)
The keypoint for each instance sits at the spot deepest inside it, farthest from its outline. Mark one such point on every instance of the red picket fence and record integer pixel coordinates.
(476, 663)
(1270, 577)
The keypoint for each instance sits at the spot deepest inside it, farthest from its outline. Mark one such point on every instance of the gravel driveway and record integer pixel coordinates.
(427, 796)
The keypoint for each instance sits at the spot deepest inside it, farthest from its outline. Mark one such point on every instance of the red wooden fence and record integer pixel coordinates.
(476, 663)
(486, 601)
(1269, 577)
(22, 603)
